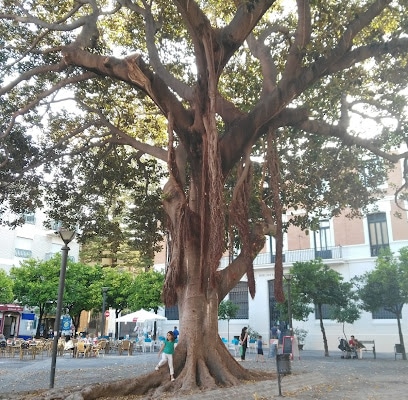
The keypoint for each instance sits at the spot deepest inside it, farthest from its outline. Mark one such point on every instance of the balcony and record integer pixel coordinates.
(293, 256)
(48, 256)
(23, 253)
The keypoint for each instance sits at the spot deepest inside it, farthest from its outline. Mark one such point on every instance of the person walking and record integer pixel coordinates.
(260, 354)
(176, 333)
(167, 351)
(244, 342)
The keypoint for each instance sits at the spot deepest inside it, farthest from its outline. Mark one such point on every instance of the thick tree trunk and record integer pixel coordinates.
(201, 359)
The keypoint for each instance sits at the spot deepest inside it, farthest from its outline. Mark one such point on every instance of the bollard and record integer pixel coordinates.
(283, 367)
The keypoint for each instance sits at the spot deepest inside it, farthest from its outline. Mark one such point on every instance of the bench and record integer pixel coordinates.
(398, 350)
(371, 345)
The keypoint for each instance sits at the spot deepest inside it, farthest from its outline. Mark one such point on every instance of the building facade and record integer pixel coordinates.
(31, 240)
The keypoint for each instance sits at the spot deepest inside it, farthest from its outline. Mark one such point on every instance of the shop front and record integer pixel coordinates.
(10, 317)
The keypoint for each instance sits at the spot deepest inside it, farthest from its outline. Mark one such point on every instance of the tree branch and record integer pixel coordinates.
(302, 38)
(29, 106)
(183, 90)
(136, 73)
(394, 46)
(327, 130)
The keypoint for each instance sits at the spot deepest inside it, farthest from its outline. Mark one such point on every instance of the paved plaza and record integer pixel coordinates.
(313, 377)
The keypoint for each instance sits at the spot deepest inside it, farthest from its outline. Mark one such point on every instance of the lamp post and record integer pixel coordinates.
(104, 290)
(288, 278)
(66, 236)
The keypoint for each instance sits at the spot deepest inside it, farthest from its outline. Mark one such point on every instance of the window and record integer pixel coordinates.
(326, 311)
(239, 296)
(29, 219)
(322, 240)
(23, 247)
(56, 226)
(378, 233)
(22, 253)
(274, 312)
(271, 248)
(383, 314)
(172, 313)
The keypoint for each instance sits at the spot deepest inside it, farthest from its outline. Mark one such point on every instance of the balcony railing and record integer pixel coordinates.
(23, 253)
(48, 256)
(293, 256)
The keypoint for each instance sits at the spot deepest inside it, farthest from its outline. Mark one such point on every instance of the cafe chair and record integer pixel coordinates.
(126, 345)
(148, 344)
(3, 349)
(252, 346)
(80, 349)
(94, 350)
(26, 350)
(104, 346)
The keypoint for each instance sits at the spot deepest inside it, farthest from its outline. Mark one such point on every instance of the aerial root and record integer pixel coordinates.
(205, 379)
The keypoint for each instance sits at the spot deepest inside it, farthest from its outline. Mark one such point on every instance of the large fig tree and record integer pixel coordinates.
(97, 88)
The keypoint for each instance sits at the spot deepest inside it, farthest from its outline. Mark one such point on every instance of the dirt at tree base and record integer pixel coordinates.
(63, 393)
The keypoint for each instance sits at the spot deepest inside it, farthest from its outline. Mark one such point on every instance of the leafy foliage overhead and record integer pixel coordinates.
(71, 100)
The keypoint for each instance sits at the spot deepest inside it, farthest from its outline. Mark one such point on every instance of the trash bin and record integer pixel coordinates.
(283, 364)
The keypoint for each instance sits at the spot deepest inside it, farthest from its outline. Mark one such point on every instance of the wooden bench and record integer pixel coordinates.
(371, 346)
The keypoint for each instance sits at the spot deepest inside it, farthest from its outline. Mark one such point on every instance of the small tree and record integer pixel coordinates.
(6, 288)
(387, 287)
(346, 314)
(314, 283)
(82, 289)
(147, 292)
(301, 334)
(36, 285)
(227, 310)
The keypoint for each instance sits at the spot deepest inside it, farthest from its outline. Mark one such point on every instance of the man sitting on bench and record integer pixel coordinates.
(356, 346)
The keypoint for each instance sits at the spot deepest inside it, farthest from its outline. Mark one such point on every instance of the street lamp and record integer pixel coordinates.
(288, 278)
(104, 290)
(66, 236)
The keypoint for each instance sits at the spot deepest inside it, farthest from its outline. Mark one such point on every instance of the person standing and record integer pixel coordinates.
(50, 333)
(274, 332)
(176, 333)
(167, 351)
(244, 342)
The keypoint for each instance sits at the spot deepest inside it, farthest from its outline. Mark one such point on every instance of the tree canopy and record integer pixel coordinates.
(6, 288)
(93, 90)
(315, 286)
(36, 285)
(147, 291)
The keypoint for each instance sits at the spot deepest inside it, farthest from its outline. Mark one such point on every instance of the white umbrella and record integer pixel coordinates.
(140, 316)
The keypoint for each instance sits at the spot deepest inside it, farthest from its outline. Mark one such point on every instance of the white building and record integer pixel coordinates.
(31, 240)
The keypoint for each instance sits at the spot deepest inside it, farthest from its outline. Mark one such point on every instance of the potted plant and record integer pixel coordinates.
(301, 334)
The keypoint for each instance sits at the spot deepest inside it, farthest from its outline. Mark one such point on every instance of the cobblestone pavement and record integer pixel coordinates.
(313, 377)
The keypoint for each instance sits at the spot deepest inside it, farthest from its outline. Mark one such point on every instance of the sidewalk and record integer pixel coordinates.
(313, 377)
(327, 378)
